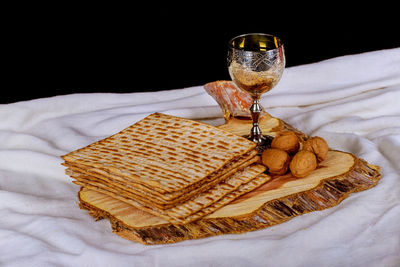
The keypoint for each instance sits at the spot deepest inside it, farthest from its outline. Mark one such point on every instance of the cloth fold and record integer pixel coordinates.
(351, 101)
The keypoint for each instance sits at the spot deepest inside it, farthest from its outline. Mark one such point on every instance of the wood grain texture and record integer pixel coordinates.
(268, 125)
(277, 201)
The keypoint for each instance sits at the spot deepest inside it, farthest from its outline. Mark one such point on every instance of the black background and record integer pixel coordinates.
(74, 49)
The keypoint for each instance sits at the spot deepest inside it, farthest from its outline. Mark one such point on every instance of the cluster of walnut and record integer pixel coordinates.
(287, 153)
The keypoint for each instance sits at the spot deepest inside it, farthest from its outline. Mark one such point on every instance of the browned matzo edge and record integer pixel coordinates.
(194, 209)
(157, 199)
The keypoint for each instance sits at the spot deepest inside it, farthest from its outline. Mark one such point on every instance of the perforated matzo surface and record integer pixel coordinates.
(163, 152)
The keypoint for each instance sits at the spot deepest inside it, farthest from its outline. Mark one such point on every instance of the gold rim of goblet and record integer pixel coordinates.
(256, 42)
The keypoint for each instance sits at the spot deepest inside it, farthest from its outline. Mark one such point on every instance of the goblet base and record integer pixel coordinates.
(263, 142)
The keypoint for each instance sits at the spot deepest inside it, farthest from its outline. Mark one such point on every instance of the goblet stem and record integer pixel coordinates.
(255, 134)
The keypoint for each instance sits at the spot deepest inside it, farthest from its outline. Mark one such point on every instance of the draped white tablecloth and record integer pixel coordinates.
(351, 101)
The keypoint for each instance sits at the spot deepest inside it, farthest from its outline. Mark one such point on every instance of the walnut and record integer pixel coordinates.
(287, 141)
(303, 163)
(277, 160)
(318, 146)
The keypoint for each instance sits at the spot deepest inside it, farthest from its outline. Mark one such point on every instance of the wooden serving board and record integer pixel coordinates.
(278, 200)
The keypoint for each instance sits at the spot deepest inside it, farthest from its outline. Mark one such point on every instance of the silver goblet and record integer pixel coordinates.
(256, 62)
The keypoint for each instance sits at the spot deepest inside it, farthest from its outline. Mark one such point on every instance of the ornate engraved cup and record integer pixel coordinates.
(256, 62)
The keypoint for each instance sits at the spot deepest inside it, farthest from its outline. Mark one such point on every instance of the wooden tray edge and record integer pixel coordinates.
(329, 193)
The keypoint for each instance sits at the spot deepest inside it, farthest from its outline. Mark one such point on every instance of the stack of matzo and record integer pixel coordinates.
(174, 168)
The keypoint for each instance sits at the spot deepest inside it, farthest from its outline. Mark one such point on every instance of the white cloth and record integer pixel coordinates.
(351, 101)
